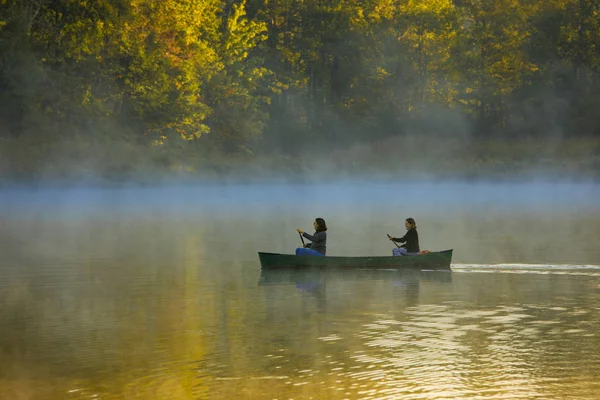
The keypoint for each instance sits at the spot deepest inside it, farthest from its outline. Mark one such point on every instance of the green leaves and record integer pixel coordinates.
(239, 73)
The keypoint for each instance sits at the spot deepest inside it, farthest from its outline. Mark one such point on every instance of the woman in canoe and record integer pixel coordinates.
(410, 240)
(318, 247)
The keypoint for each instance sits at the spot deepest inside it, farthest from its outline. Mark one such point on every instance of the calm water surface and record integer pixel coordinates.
(158, 294)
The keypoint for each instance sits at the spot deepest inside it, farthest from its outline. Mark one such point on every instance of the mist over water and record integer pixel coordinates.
(484, 222)
(157, 293)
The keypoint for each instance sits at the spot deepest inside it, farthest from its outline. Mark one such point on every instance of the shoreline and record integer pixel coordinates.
(391, 160)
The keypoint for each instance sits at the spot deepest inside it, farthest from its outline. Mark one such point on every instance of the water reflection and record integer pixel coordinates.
(314, 281)
(349, 334)
(313, 277)
(496, 337)
(173, 306)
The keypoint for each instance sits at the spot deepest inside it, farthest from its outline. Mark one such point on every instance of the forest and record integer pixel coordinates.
(130, 88)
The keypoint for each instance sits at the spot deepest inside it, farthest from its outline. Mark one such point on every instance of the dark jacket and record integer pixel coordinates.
(410, 240)
(319, 241)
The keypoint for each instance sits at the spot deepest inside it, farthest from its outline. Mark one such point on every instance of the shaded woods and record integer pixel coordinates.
(130, 88)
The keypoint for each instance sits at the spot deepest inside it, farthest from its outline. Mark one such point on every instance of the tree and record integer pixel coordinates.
(489, 57)
(240, 90)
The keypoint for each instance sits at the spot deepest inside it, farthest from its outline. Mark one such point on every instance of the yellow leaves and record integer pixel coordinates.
(381, 73)
(414, 7)
(357, 18)
(87, 96)
(384, 9)
(179, 27)
(162, 139)
(187, 129)
(242, 34)
(261, 72)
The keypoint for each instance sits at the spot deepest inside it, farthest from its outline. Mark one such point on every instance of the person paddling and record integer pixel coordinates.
(410, 240)
(318, 247)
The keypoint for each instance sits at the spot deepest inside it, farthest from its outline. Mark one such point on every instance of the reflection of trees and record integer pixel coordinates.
(166, 320)
(136, 325)
(325, 298)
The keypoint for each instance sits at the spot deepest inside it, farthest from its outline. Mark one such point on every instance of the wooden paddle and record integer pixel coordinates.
(301, 238)
(389, 237)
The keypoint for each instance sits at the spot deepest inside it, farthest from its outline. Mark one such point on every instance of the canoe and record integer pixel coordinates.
(439, 260)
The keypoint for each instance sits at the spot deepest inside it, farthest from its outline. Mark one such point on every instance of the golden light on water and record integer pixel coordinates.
(172, 306)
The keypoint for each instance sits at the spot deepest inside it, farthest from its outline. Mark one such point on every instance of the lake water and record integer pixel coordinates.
(157, 293)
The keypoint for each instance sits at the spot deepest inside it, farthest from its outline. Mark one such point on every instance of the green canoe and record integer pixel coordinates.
(439, 260)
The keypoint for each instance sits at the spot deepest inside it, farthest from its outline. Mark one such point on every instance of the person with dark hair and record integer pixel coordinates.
(410, 240)
(318, 247)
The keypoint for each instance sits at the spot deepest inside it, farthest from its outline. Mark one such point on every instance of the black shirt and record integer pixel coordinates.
(412, 241)
(319, 241)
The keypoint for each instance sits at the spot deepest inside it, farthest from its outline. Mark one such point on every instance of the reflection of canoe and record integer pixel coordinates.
(314, 276)
(439, 260)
